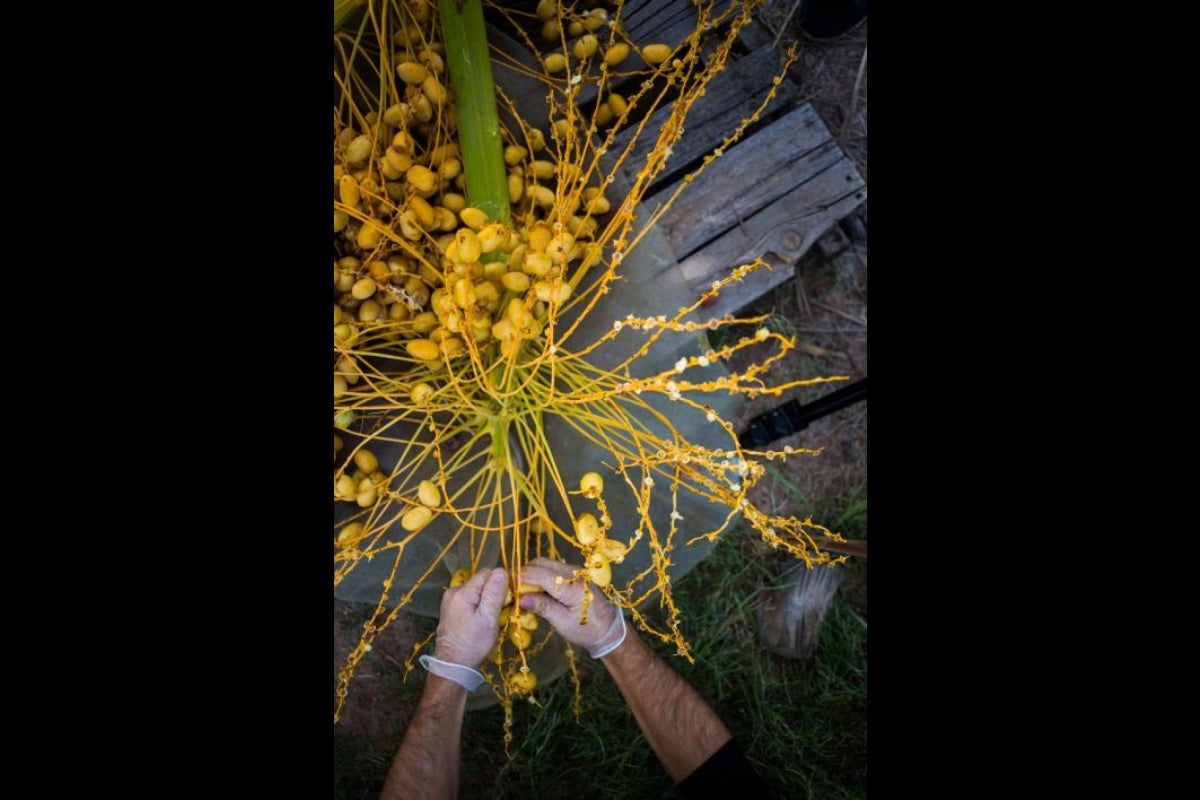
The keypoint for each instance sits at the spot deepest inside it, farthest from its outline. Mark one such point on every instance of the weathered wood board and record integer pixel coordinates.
(749, 177)
(779, 233)
(730, 97)
(651, 21)
(646, 22)
(772, 195)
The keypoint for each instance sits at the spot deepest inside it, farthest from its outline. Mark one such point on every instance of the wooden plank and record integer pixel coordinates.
(653, 21)
(780, 233)
(730, 97)
(750, 176)
(755, 35)
(788, 227)
(646, 22)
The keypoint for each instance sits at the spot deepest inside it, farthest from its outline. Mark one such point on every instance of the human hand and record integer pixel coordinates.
(562, 607)
(470, 618)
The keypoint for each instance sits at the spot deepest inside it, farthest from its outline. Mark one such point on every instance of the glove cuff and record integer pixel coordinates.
(616, 635)
(465, 677)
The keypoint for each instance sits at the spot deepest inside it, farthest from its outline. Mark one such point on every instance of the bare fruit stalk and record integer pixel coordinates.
(475, 99)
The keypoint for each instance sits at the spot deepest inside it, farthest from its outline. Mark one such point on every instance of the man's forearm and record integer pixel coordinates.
(426, 765)
(680, 727)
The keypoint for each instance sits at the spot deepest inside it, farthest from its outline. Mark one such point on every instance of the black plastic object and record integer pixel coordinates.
(829, 19)
(792, 417)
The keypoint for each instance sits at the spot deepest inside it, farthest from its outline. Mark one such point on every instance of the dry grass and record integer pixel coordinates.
(832, 75)
(825, 307)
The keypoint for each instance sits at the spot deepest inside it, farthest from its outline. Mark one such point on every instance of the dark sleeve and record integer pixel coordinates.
(725, 774)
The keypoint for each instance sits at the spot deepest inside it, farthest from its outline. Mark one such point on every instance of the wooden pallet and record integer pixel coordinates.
(771, 195)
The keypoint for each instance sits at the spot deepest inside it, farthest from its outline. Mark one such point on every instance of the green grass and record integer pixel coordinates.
(851, 518)
(845, 512)
(803, 723)
(359, 767)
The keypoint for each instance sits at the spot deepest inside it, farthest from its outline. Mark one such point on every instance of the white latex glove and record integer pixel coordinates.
(562, 606)
(467, 629)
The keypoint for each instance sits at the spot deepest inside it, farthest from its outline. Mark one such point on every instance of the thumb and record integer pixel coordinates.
(472, 588)
(549, 609)
(491, 596)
